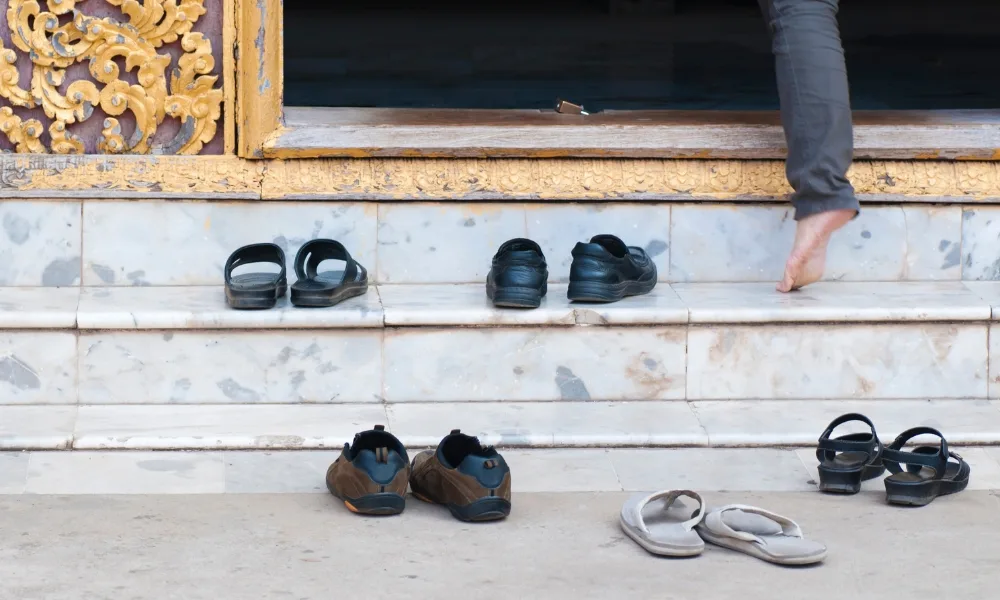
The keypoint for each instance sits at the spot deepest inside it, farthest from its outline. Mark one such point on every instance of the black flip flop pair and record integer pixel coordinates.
(930, 471)
(313, 288)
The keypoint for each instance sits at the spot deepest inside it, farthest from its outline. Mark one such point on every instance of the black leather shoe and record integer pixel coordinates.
(606, 270)
(517, 278)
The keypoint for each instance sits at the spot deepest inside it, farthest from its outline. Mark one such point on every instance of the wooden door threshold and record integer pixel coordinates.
(444, 133)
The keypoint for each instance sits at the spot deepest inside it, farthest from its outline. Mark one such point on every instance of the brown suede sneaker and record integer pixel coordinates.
(472, 481)
(371, 475)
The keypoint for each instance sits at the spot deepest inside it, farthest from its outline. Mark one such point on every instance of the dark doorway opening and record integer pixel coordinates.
(624, 54)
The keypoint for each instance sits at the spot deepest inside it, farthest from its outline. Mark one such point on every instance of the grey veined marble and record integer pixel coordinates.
(579, 363)
(231, 367)
(981, 244)
(733, 243)
(37, 367)
(925, 360)
(39, 243)
(187, 243)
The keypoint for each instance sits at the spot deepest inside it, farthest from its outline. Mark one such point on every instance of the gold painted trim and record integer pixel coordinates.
(611, 179)
(227, 177)
(229, 33)
(98, 176)
(260, 52)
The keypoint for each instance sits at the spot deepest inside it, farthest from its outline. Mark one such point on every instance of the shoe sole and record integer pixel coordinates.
(485, 509)
(921, 494)
(259, 299)
(326, 299)
(592, 291)
(847, 482)
(515, 297)
(377, 505)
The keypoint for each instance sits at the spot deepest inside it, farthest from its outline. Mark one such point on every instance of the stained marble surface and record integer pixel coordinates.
(751, 243)
(558, 227)
(13, 472)
(564, 470)
(206, 426)
(719, 423)
(188, 243)
(925, 259)
(38, 367)
(467, 304)
(443, 243)
(278, 472)
(536, 470)
(994, 349)
(989, 292)
(800, 422)
(204, 307)
(832, 301)
(39, 243)
(519, 424)
(662, 306)
(642, 470)
(36, 427)
(928, 360)
(981, 243)
(534, 364)
(232, 368)
(38, 307)
(125, 473)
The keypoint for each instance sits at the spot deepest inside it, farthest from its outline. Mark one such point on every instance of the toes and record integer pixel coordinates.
(792, 269)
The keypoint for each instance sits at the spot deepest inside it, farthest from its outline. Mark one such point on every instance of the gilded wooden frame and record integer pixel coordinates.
(259, 79)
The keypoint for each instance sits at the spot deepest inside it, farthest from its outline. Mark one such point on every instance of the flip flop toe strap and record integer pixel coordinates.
(669, 497)
(716, 524)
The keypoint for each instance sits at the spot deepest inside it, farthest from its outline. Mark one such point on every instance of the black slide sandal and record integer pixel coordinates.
(255, 290)
(929, 472)
(846, 461)
(330, 287)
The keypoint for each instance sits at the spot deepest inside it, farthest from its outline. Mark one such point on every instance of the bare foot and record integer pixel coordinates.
(808, 258)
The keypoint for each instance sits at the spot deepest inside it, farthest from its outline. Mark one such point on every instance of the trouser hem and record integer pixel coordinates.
(809, 207)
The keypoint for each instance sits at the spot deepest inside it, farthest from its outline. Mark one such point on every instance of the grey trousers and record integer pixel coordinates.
(815, 103)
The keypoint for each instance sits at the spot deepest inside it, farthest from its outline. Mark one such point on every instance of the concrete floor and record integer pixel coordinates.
(555, 545)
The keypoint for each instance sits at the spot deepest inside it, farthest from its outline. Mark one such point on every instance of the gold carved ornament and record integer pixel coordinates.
(52, 46)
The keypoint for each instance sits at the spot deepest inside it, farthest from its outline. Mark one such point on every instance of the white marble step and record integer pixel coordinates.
(387, 305)
(511, 425)
(123, 243)
(448, 344)
(532, 471)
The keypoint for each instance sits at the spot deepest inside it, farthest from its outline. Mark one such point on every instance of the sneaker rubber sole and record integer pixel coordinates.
(379, 505)
(490, 508)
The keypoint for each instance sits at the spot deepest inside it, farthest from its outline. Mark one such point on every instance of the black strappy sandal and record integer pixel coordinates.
(929, 472)
(846, 461)
(255, 290)
(329, 287)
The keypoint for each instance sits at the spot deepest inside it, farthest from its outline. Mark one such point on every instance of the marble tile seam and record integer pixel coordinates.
(831, 303)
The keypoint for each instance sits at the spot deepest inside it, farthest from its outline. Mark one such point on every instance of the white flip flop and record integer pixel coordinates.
(662, 524)
(760, 533)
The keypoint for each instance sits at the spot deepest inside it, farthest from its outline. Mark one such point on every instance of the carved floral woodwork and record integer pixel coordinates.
(53, 42)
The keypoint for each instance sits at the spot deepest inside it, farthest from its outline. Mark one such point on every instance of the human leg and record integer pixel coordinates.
(816, 116)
